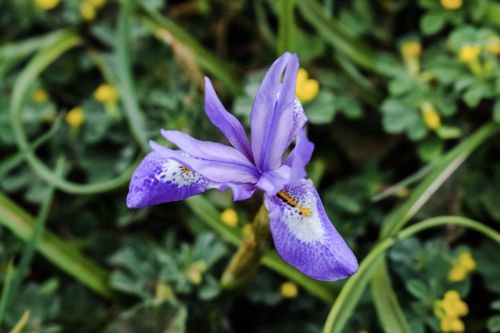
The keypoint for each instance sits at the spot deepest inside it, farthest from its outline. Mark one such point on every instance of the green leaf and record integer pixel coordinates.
(494, 324)
(56, 250)
(417, 288)
(322, 109)
(342, 39)
(432, 22)
(390, 314)
(496, 111)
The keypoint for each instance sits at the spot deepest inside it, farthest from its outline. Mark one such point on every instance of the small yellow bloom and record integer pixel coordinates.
(457, 273)
(40, 96)
(451, 4)
(289, 290)
(106, 94)
(195, 272)
(467, 261)
(461, 268)
(453, 306)
(494, 45)
(411, 49)
(97, 3)
(306, 89)
(47, 4)
(402, 192)
(229, 217)
(469, 53)
(87, 10)
(431, 117)
(75, 117)
(452, 324)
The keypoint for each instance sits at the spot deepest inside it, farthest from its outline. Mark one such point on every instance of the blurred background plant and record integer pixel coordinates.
(403, 100)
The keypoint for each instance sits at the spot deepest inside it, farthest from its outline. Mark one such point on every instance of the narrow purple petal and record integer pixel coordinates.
(225, 122)
(299, 157)
(304, 236)
(158, 179)
(271, 182)
(208, 150)
(240, 191)
(218, 170)
(272, 117)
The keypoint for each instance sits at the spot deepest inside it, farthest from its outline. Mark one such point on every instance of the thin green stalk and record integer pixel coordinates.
(30, 248)
(58, 45)
(342, 40)
(58, 251)
(6, 290)
(207, 213)
(356, 284)
(13, 161)
(124, 73)
(431, 183)
(208, 61)
(286, 27)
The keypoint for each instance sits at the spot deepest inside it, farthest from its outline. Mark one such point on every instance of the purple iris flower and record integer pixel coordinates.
(302, 233)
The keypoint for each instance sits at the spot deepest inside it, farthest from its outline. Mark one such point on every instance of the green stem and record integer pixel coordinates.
(356, 284)
(58, 45)
(29, 250)
(125, 83)
(286, 28)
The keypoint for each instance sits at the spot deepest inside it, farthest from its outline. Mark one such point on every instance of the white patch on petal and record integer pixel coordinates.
(173, 172)
(301, 216)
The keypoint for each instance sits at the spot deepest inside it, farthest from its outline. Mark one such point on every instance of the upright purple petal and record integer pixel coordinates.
(226, 122)
(299, 157)
(216, 169)
(304, 236)
(158, 179)
(272, 117)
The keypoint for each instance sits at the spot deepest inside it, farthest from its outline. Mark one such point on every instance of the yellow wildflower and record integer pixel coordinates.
(75, 117)
(467, 261)
(402, 192)
(494, 45)
(40, 96)
(163, 292)
(411, 49)
(47, 4)
(457, 273)
(195, 272)
(289, 290)
(229, 217)
(453, 306)
(469, 53)
(306, 89)
(452, 324)
(106, 94)
(431, 117)
(451, 4)
(87, 10)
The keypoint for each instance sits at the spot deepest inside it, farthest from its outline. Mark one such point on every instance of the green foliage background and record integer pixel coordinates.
(406, 195)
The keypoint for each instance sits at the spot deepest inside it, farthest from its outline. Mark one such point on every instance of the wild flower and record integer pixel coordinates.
(229, 217)
(47, 4)
(451, 4)
(462, 267)
(306, 89)
(289, 290)
(302, 233)
(106, 94)
(450, 309)
(75, 117)
(40, 96)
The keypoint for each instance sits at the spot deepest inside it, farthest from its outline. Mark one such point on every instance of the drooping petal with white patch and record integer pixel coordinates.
(304, 236)
(159, 179)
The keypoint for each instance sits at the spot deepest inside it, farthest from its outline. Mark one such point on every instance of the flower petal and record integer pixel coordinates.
(272, 117)
(159, 179)
(218, 170)
(304, 236)
(299, 157)
(225, 122)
